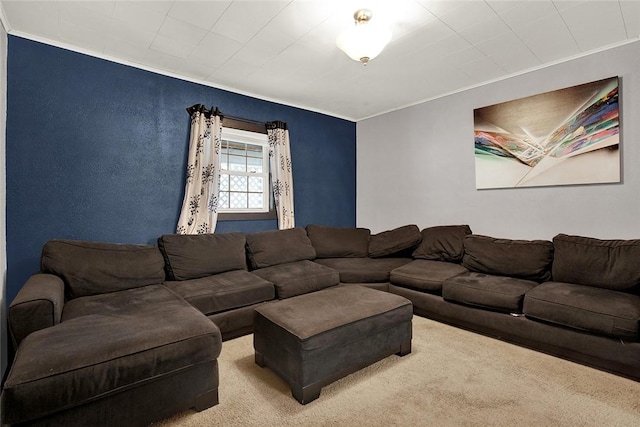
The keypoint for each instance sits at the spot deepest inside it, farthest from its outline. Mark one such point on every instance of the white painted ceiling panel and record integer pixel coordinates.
(548, 38)
(595, 24)
(214, 50)
(243, 19)
(469, 13)
(509, 52)
(523, 13)
(631, 15)
(181, 31)
(285, 50)
(483, 69)
(483, 31)
(140, 14)
(131, 34)
(202, 14)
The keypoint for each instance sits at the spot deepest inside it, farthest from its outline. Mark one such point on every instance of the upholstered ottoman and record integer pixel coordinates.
(315, 339)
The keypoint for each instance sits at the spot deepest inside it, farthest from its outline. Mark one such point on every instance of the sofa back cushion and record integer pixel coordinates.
(199, 255)
(336, 242)
(522, 259)
(90, 268)
(267, 248)
(393, 241)
(442, 243)
(609, 264)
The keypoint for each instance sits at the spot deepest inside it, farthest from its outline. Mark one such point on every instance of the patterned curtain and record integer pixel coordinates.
(281, 176)
(200, 206)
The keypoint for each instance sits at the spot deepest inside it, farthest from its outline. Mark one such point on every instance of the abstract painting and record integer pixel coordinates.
(564, 137)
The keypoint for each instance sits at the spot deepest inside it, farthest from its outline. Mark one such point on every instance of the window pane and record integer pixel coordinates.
(237, 151)
(223, 201)
(238, 183)
(254, 164)
(224, 182)
(237, 163)
(244, 182)
(238, 201)
(254, 151)
(255, 201)
(256, 184)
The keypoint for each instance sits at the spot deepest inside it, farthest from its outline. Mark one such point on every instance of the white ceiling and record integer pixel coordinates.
(285, 50)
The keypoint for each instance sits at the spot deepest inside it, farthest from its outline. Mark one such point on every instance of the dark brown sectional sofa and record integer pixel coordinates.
(111, 334)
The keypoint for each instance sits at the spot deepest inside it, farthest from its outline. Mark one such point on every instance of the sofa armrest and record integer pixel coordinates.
(38, 305)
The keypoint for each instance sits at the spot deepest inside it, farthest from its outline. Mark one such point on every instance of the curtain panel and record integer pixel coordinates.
(281, 173)
(199, 212)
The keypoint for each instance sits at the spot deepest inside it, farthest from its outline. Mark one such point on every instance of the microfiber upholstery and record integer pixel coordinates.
(296, 278)
(224, 291)
(193, 256)
(317, 338)
(339, 315)
(596, 310)
(425, 275)
(493, 292)
(97, 355)
(38, 305)
(394, 241)
(608, 264)
(442, 243)
(364, 270)
(90, 268)
(336, 242)
(130, 302)
(273, 247)
(522, 259)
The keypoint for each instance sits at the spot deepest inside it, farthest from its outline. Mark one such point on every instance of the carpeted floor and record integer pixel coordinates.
(451, 378)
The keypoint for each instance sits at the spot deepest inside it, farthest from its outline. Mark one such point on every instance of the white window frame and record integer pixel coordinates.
(256, 139)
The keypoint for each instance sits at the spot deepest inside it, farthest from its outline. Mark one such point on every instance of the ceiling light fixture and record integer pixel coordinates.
(365, 40)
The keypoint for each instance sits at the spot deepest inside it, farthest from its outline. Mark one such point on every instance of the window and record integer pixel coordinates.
(244, 174)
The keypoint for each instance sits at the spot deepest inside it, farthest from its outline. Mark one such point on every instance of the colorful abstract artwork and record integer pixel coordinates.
(565, 137)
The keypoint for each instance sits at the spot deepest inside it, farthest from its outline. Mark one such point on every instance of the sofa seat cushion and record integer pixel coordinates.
(129, 302)
(493, 292)
(364, 270)
(224, 291)
(90, 268)
(425, 275)
(296, 278)
(600, 311)
(98, 355)
(191, 256)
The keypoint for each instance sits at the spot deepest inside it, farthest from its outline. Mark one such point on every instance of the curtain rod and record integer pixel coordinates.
(242, 119)
(203, 109)
(253, 123)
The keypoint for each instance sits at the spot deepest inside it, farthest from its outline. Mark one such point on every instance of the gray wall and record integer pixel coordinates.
(417, 165)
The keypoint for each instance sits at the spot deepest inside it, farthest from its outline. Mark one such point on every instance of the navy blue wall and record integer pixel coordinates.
(97, 151)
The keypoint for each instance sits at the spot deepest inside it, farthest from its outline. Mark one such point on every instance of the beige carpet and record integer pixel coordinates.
(451, 378)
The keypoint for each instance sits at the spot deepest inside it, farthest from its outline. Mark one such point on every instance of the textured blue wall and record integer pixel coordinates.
(97, 151)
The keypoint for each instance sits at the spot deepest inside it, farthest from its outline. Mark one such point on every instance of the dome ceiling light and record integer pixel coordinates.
(365, 40)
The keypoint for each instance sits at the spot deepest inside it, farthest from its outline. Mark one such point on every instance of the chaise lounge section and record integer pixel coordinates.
(119, 349)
